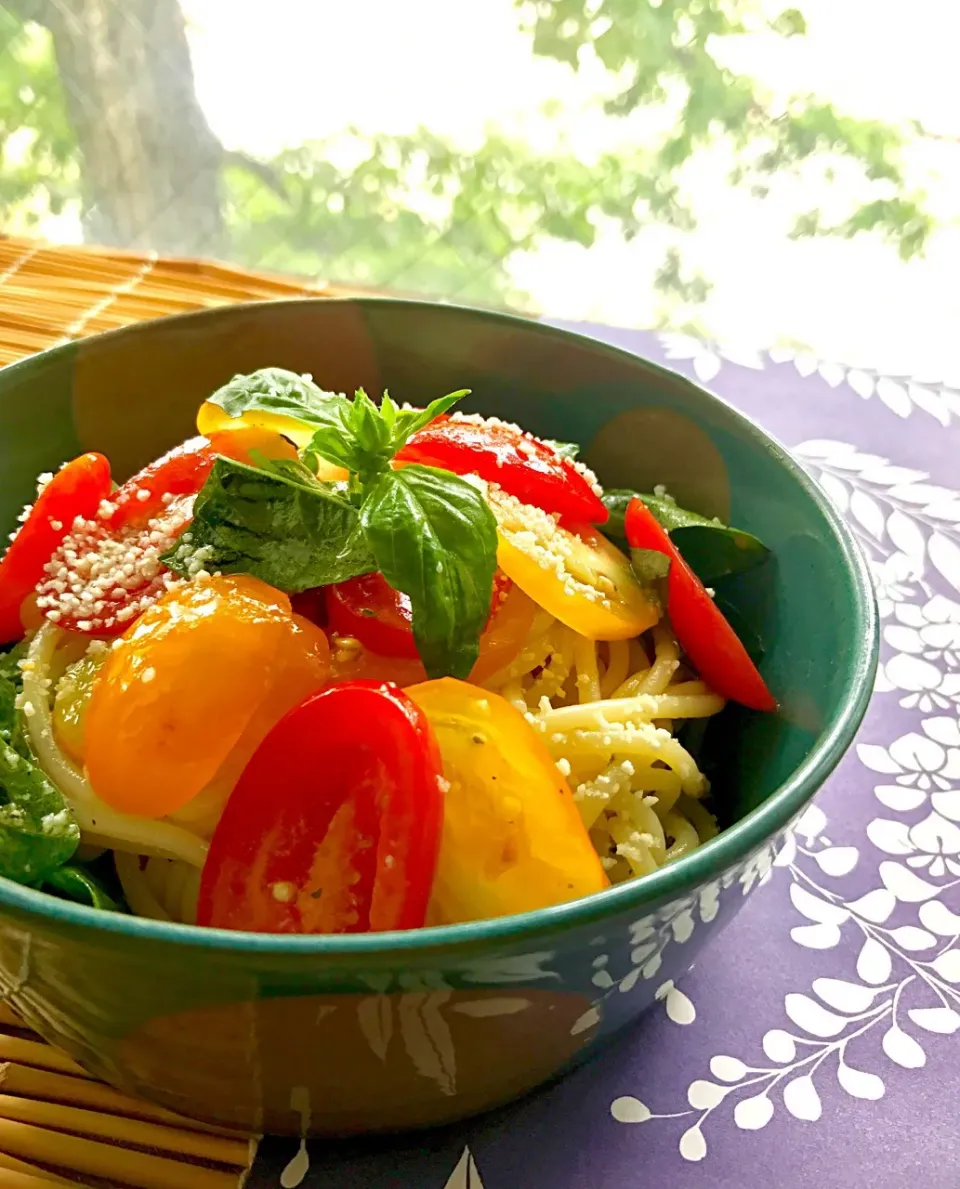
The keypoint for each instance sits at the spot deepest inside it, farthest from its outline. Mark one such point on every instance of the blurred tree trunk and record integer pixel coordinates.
(150, 164)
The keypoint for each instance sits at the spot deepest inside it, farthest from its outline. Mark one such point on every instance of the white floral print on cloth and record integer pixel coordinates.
(903, 933)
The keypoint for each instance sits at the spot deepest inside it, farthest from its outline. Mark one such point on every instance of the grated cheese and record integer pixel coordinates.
(102, 580)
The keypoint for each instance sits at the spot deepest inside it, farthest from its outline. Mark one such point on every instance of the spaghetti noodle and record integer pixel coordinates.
(372, 675)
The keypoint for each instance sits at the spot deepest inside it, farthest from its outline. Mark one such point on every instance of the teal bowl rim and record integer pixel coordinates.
(733, 844)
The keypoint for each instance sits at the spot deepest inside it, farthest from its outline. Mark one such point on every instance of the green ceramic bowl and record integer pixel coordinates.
(361, 1033)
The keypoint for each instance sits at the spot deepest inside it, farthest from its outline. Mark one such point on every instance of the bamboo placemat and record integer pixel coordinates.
(57, 1125)
(60, 1127)
(51, 295)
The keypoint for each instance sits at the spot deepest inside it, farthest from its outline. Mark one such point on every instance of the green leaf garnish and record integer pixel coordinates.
(428, 531)
(290, 531)
(435, 539)
(710, 548)
(38, 833)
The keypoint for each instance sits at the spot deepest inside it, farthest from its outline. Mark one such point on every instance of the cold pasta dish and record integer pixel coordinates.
(335, 666)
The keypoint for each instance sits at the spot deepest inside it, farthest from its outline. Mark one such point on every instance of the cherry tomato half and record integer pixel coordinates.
(334, 826)
(521, 464)
(513, 838)
(574, 573)
(185, 685)
(704, 634)
(77, 489)
(381, 618)
(108, 570)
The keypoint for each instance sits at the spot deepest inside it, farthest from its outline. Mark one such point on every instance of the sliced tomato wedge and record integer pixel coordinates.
(705, 635)
(513, 837)
(369, 609)
(181, 471)
(77, 489)
(107, 569)
(381, 618)
(335, 824)
(503, 454)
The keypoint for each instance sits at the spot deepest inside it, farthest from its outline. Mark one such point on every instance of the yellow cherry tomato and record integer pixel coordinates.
(574, 573)
(187, 683)
(239, 443)
(513, 839)
(212, 419)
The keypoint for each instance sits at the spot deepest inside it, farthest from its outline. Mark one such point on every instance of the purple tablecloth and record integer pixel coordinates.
(819, 1042)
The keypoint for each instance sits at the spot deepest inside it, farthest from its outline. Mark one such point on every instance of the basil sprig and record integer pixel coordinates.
(428, 531)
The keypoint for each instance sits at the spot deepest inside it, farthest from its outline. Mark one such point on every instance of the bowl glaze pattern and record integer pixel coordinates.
(365, 1033)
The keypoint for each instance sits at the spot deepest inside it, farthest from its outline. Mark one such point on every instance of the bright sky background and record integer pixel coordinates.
(272, 73)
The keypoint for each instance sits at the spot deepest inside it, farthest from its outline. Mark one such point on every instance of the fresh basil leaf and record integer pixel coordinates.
(76, 883)
(649, 565)
(291, 534)
(369, 427)
(411, 421)
(435, 539)
(275, 390)
(710, 548)
(286, 468)
(337, 445)
(569, 450)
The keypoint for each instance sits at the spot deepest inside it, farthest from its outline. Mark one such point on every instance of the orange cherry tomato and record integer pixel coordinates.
(573, 572)
(184, 685)
(513, 839)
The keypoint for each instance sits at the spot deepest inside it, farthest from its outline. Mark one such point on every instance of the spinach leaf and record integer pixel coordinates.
(38, 833)
(289, 530)
(435, 539)
(275, 390)
(709, 547)
(74, 882)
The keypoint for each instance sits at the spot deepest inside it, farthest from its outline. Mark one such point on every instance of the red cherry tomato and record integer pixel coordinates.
(107, 570)
(522, 465)
(704, 634)
(75, 490)
(335, 824)
(381, 618)
(181, 471)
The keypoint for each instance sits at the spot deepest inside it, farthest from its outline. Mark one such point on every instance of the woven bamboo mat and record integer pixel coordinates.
(57, 1125)
(51, 295)
(60, 1127)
